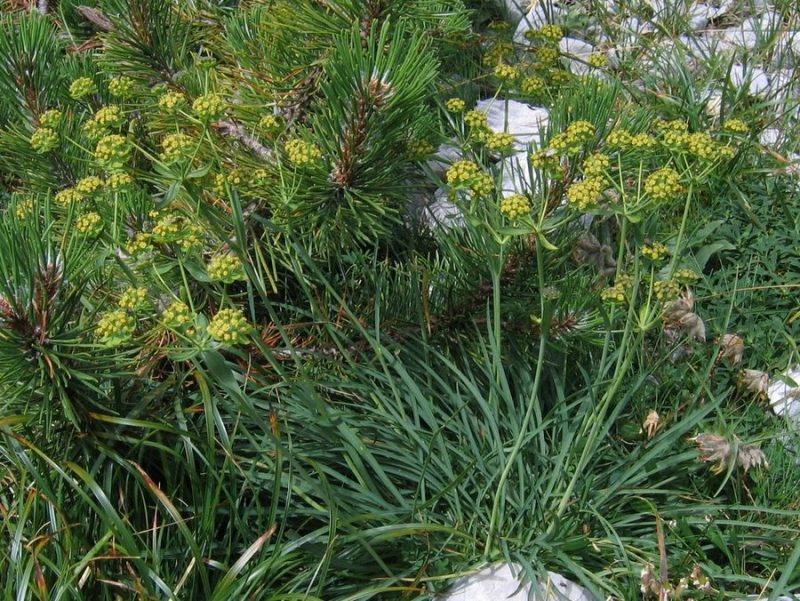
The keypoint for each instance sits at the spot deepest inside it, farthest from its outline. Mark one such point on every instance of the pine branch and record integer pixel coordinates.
(95, 17)
(302, 96)
(238, 132)
(356, 134)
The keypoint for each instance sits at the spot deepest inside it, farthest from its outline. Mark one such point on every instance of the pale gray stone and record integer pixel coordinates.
(714, 104)
(515, 9)
(442, 212)
(516, 174)
(577, 53)
(501, 582)
(700, 15)
(445, 156)
(523, 121)
(784, 397)
(755, 79)
(659, 6)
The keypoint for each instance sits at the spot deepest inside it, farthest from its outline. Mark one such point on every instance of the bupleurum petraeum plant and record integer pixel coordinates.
(235, 361)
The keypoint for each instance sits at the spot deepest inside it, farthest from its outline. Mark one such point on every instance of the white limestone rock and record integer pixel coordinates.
(658, 6)
(784, 394)
(442, 212)
(446, 155)
(793, 168)
(714, 104)
(515, 9)
(783, 83)
(755, 79)
(634, 26)
(747, 35)
(770, 137)
(577, 53)
(699, 15)
(501, 582)
(626, 39)
(516, 175)
(708, 11)
(523, 121)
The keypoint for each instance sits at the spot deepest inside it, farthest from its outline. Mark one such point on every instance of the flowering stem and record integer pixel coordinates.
(681, 231)
(532, 406)
(624, 361)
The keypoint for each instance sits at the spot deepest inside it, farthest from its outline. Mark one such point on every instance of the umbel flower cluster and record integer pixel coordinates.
(606, 164)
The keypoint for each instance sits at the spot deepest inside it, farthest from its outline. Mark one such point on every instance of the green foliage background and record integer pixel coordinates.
(405, 401)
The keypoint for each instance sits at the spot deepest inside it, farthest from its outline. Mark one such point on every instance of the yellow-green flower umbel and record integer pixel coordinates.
(654, 251)
(456, 105)
(269, 123)
(119, 181)
(176, 147)
(44, 140)
(302, 153)
(89, 224)
(133, 299)
(736, 126)
(502, 142)
(68, 196)
(476, 119)
(51, 118)
(115, 327)
(121, 87)
(585, 194)
(533, 85)
(506, 72)
(171, 101)
(468, 175)
(515, 206)
(177, 314)
(666, 290)
(89, 185)
(110, 116)
(230, 327)
(663, 184)
(83, 86)
(209, 106)
(226, 268)
(112, 151)
(596, 164)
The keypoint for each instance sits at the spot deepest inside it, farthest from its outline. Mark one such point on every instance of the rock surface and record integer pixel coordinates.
(525, 122)
(501, 582)
(784, 397)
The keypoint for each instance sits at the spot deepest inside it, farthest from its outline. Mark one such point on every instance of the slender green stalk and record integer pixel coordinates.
(532, 406)
(623, 363)
(682, 231)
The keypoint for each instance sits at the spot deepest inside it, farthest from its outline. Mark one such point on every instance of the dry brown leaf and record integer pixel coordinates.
(732, 348)
(589, 251)
(651, 424)
(713, 448)
(755, 381)
(719, 450)
(748, 456)
(692, 325)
